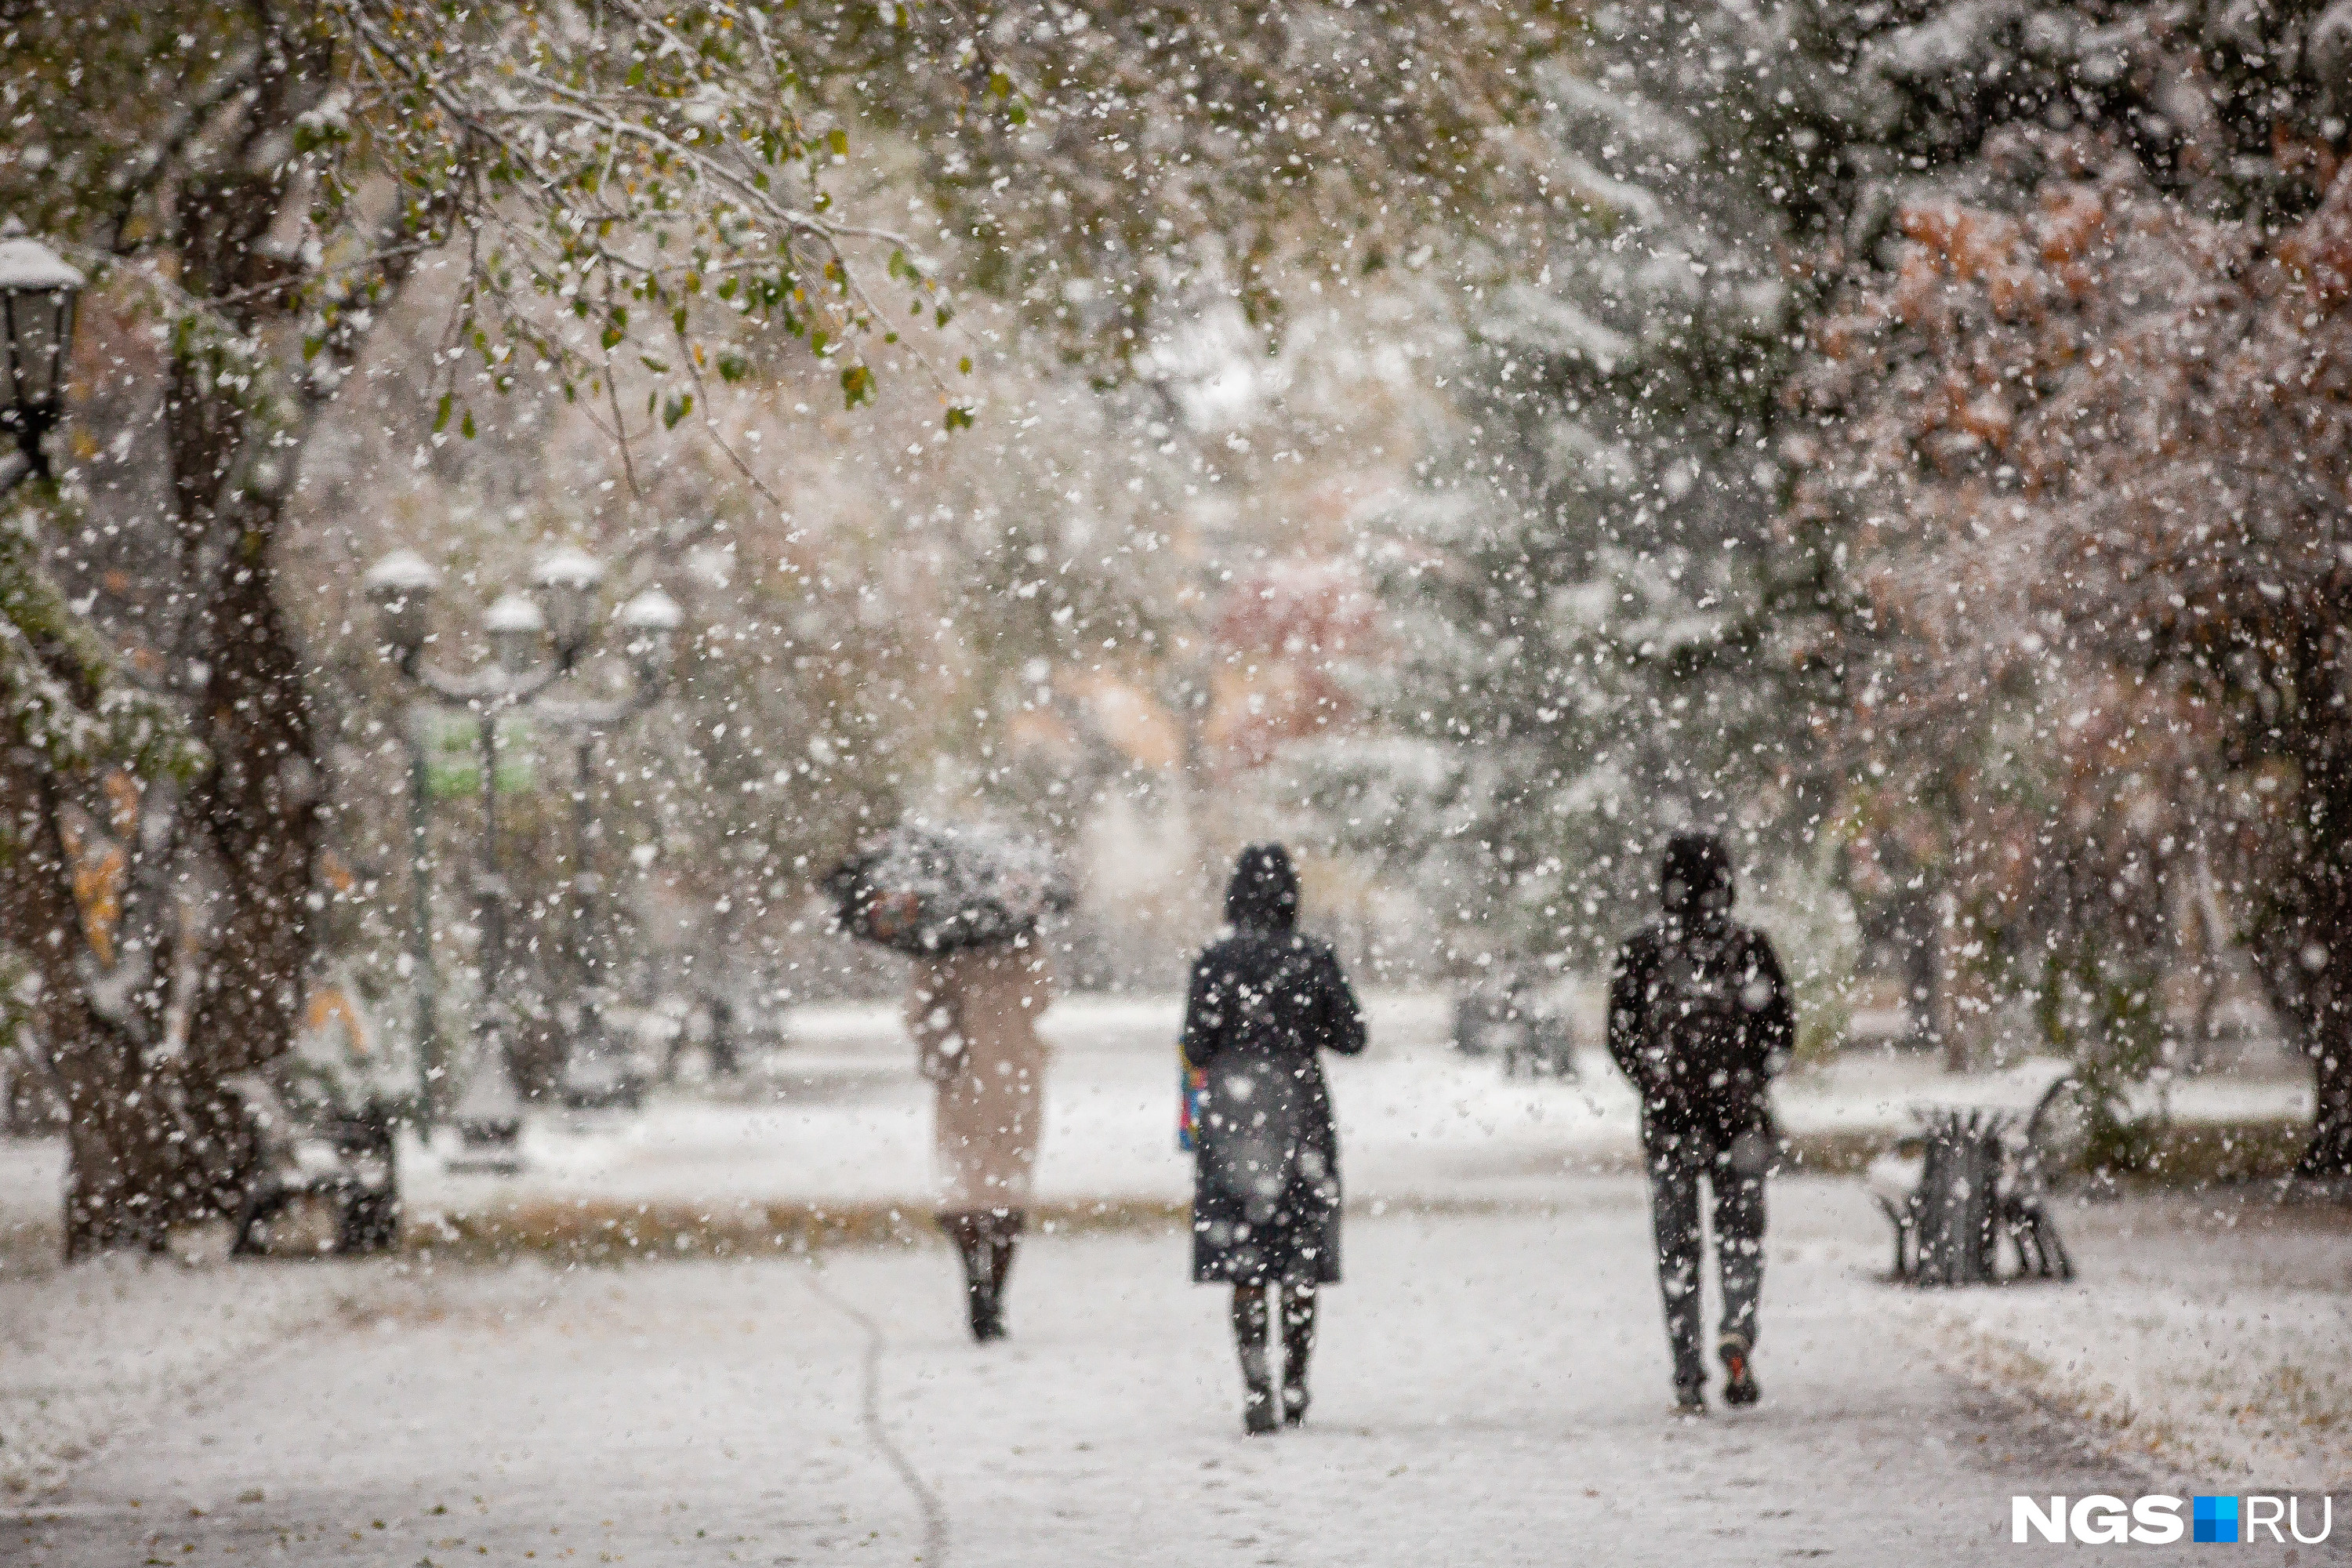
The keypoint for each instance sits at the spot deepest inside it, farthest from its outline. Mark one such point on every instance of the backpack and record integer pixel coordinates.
(1699, 1028)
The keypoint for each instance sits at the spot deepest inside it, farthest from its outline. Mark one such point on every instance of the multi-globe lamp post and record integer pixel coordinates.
(537, 640)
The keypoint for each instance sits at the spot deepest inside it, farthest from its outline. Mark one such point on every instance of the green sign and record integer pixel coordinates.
(453, 753)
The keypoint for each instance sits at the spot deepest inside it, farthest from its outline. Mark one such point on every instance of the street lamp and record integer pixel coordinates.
(517, 628)
(567, 578)
(650, 622)
(488, 1112)
(37, 291)
(401, 587)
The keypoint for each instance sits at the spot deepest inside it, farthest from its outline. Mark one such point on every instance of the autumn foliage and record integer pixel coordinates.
(2085, 459)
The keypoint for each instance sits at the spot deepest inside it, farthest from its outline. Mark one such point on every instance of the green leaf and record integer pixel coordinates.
(959, 418)
(466, 426)
(732, 367)
(675, 407)
(839, 140)
(963, 365)
(1000, 84)
(441, 415)
(857, 385)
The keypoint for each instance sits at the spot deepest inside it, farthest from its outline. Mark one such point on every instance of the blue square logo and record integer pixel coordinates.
(2213, 1518)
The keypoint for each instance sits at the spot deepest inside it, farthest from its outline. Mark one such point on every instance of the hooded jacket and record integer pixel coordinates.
(1267, 998)
(1699, 1016)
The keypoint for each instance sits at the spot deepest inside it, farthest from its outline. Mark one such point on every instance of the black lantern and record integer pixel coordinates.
(36, 310)
(566, 579)
(401, 585)
(650, 622)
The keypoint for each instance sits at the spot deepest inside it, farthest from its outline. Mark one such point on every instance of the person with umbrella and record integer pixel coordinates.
(1264, 1000)
(964, 904)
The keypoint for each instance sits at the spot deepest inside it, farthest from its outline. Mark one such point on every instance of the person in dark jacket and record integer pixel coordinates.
(1699, 1020)
(1264, 1000)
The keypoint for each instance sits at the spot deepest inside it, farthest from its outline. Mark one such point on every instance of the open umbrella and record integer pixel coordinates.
(927, 888)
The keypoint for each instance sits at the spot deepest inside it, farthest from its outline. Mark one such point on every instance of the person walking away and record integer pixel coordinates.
(973, 1014)
(1264, 1000)
(1699, 1021)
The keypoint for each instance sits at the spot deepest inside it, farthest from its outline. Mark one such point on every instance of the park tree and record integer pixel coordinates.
(2087, 453)
(1612, 621)
(620, 200)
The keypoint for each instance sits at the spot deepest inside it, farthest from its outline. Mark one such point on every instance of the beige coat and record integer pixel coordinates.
(973, 1014)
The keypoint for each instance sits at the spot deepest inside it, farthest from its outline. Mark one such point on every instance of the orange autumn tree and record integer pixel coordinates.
(2084, 463)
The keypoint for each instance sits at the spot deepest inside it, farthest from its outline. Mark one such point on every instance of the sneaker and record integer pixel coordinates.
(1294, 1404)
(1740, 1378)
(1258, 1413)
(1690, 1399)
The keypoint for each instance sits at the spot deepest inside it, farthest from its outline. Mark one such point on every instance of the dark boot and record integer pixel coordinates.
(1298, 1346)
(1004, 1228)
(970, 1233)
(1250, 1328)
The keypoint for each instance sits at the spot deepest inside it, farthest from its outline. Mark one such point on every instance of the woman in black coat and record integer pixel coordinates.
(1265, 999)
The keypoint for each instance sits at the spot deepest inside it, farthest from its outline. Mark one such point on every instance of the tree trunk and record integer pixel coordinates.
(259, 811)
(2329, 1156)
(2308, 960)
(114, 1151)
(158, 1139)
(2326, 1019)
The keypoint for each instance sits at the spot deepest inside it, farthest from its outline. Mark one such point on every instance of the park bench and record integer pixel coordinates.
(1521, 1024)
(316, 1157)
(1972, 1178)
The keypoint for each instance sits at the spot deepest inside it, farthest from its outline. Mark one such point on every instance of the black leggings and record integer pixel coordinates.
(1253, 1319)
(1677, 1164)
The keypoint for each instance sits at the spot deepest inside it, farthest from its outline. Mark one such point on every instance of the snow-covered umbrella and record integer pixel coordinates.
(927, 888)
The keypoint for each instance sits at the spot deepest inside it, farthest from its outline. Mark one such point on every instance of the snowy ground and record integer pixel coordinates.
(840, 1116)
(1491, 1389)
(1494, 1372)
(2203, 1339)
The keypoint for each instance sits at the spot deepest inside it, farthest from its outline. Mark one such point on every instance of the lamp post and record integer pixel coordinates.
(648, 624)
(489, 1111)
(37, 291)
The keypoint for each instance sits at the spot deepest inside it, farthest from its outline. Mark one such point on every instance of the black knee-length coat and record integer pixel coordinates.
(1264, 1002)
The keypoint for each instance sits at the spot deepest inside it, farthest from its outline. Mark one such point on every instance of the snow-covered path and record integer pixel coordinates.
(1491, 1390)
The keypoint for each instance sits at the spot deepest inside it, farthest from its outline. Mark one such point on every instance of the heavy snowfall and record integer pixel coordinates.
(1368, 782)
